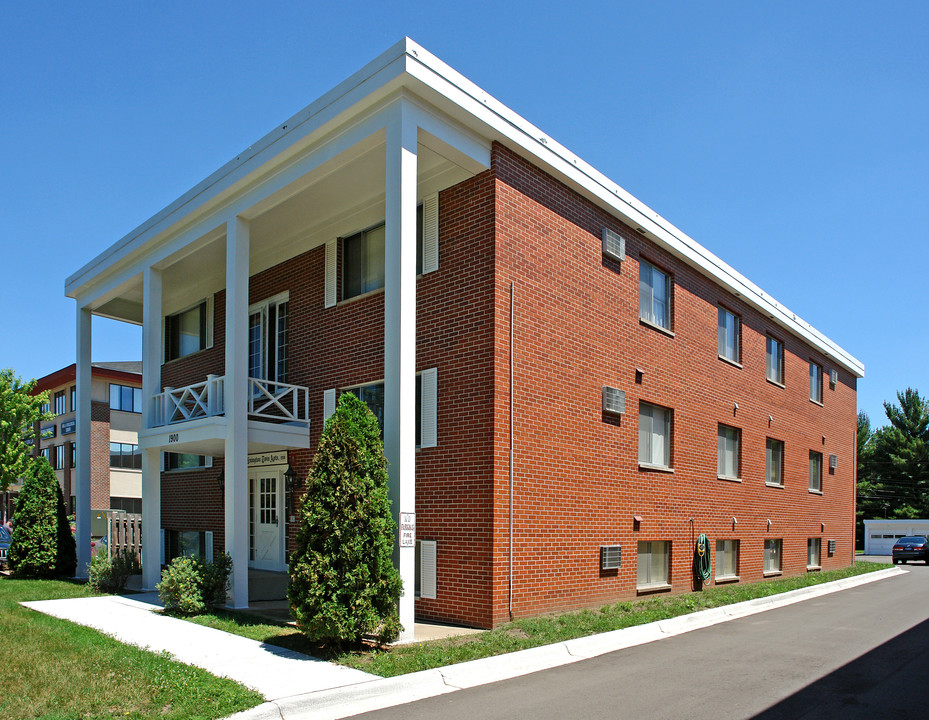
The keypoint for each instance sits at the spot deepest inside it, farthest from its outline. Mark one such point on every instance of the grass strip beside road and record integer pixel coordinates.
(56, 670)
(525, 633)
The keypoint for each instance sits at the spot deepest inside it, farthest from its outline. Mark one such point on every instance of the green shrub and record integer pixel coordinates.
(214, 579)
(110, 574)
(66, 561)
(343, 584)
(190, 586)
(179, 588)
(33, 552)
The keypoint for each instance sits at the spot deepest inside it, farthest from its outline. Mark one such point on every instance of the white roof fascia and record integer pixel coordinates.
(448, 82)
(475, 107)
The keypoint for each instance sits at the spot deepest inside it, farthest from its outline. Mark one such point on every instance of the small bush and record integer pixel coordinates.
(179, 588)
(190, 586)
(214, 579)
(110, 574)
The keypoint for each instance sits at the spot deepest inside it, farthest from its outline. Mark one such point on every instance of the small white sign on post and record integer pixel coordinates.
(407, 529)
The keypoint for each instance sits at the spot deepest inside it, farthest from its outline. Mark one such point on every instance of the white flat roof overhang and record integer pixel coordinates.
(475, 119)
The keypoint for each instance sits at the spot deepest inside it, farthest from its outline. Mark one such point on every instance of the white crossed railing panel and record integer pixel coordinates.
(272, 400)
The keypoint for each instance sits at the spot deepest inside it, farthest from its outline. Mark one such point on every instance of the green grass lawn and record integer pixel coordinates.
(522, 634)
(56, 670)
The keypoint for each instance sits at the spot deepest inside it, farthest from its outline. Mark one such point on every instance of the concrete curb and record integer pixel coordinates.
(364, 697)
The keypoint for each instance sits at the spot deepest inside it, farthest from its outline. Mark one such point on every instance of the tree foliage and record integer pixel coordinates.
(19, 411)
(893, 461)
(343, 584)
(33, 551)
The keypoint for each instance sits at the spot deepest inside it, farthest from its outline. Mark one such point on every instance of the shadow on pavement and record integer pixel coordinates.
(891, 681)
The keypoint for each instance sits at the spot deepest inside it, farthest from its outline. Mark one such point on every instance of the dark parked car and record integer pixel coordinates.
(5, 540)
(915, 547)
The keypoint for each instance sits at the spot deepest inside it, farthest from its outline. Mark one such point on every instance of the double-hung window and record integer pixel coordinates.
(727, 559)
(654, 435)
(772, 556)
(363, 262)
(125, 398)
(730, 330)
(775, 364)
(774, 462)
(727, 460)
(654, 295)
(188, 331)
(652, 564)
(816, 472)
(268, 339)
(816, 383)
(813, 546)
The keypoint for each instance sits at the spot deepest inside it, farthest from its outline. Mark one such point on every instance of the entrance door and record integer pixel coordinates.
(267, 521)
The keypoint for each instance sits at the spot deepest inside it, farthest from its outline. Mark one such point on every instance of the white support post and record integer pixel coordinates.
(400, 337)
(236, 407)
(83, 430)
(152, 339)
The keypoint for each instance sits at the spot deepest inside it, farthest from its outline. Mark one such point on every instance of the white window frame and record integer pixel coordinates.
(262, 310)
(816, 476)
(653, 564)
(729, 336)
(773, 552)
(727, 558)
(651, 308)
(207, 463)
(774, 472)
(206, 342)
(653, 454)
(728, 452)
(814, 547)
(774, 366)
(816, 383)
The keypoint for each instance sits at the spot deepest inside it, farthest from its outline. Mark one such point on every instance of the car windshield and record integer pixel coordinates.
(4, 534)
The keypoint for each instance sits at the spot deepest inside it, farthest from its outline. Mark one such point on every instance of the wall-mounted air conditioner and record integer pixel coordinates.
(614, 245)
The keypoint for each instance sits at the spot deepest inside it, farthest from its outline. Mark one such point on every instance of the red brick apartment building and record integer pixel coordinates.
(115, 459)
(571, 389)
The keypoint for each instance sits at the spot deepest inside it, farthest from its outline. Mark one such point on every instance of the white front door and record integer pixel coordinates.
(267, 519)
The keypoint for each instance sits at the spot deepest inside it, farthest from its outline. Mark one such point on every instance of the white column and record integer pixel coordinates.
(236, 405)
(152, 340)
(400, 338)
(83, 430)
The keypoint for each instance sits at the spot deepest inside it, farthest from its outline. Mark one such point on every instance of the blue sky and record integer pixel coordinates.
(790, 138)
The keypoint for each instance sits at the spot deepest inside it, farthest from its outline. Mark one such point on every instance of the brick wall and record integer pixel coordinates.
(99, 455)
(577, 480)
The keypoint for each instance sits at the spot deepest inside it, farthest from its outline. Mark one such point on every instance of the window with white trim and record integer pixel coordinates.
(772, 556)
(774, 462)
(372, 395)
(816, 382)
(775, 360)
(813, 547)
(730, 335)
(268, 339)
(727, 559)
(652, 564)
(654, 295)
(654, 435)
(727, 452)
(816, 471)
(188, 331)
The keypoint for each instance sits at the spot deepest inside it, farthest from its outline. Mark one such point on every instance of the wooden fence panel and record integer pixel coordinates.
(124, 532)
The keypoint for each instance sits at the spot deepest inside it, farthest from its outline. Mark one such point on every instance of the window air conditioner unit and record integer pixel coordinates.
(831, 545)
(833, 376)
(614, 245)
(833, 462)
(614, 401)
(611, 557)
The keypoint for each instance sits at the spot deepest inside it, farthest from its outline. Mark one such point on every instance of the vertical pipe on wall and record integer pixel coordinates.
(512, 323)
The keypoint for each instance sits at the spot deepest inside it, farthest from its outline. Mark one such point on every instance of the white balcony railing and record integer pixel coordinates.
(267, 400)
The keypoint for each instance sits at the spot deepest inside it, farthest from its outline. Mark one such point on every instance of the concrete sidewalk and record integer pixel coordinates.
(301, 687)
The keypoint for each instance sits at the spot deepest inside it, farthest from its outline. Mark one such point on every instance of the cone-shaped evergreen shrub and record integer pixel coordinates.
(34, 548)
(343, 584)
(66, 562)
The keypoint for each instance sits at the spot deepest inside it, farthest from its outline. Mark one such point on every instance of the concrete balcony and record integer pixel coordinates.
(192, 419)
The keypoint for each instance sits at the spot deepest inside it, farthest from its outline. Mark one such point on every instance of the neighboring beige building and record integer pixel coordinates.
(116, 404)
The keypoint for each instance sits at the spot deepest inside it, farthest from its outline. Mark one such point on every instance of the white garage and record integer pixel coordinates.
(880, 535)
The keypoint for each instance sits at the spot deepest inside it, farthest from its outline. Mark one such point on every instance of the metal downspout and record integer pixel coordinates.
(512, 315)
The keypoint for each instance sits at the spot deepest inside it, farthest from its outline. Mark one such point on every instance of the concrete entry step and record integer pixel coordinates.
(264, 585)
